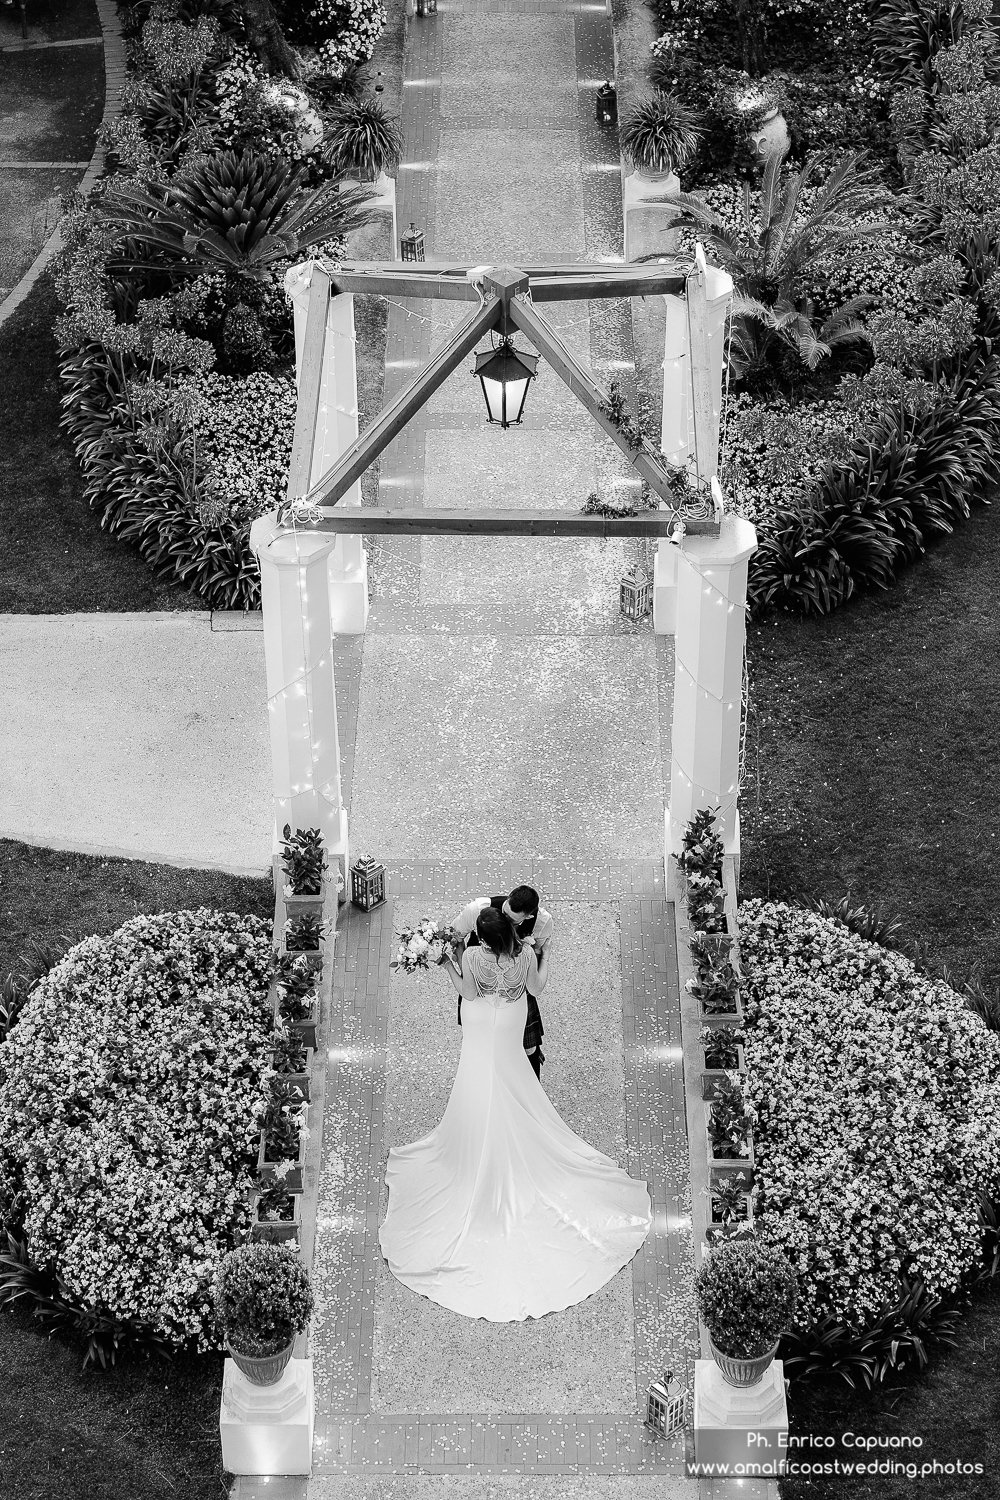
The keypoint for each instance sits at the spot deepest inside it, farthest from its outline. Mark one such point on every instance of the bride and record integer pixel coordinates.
(502, 1212)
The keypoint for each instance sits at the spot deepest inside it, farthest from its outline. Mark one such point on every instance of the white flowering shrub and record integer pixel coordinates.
(878, 1112)
(132, 1090)
(243, 428)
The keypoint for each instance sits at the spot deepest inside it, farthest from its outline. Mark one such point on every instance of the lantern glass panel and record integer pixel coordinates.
(493, 391)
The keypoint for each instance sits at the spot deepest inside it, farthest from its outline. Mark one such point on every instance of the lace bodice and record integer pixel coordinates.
(501, 981)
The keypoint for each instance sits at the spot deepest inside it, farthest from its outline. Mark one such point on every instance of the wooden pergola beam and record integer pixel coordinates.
(581, 383)
(426, 521)
(556, 283)
(394, 417)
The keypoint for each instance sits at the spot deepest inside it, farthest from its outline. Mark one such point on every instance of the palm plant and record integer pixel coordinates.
(236, 214)
(776, 255)
(660, 134)
(367, 140)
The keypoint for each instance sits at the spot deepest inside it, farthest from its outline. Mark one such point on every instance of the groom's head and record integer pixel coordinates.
(521, 904)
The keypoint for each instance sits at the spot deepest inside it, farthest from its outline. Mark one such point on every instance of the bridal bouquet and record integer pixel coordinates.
(426, 944)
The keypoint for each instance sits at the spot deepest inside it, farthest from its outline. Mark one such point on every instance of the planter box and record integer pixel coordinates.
(276, 1231)
(297, 1081)
(306, 1029)
(265, 1168)
(711, 1077)
(296, 906)
(744, 1162)
(723, 1017)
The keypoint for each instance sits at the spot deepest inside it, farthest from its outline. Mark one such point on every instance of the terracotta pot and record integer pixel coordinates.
(266, 1371)
(742, 1372)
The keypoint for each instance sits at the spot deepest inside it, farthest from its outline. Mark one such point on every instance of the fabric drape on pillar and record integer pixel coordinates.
(708, 678)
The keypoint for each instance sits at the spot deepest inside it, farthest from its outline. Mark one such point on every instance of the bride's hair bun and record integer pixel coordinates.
(494, 931)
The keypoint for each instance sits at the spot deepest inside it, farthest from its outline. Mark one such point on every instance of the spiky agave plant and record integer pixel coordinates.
(366, 140)
(776, 252)
(234, 214)
(661, 134)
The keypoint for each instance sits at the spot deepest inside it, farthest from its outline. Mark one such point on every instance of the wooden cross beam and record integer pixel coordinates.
(505, 297)
(427, 521)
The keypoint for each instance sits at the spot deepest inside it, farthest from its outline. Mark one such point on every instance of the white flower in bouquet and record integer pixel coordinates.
(421, 946)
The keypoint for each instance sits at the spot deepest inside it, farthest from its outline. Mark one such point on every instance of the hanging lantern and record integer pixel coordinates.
(505, 374)
(411, 244)
(607, 105)
(666, 1407)
(636, 594)
(367, 884)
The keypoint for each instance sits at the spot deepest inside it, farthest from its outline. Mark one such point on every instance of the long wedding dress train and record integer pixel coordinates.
(502, 1212)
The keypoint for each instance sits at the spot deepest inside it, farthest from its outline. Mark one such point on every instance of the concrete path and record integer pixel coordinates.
(141, 735)
(499, 722)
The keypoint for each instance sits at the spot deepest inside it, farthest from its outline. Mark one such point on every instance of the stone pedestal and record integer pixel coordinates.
(647, 217)
(665, 566)
(708, 678)
(268, 1429)
(740, 1432)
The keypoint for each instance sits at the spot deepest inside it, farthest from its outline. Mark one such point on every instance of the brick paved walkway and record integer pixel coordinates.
(499, 723)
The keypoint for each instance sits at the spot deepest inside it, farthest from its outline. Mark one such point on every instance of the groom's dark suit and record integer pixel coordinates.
(534, 1030)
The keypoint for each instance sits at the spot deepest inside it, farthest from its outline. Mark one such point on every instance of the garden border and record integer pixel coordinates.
(114, 77)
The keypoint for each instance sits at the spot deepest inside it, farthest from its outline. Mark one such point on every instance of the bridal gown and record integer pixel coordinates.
(502, 1212)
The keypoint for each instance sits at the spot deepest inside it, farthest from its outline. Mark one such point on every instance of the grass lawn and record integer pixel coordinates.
(54, 557)
(872, 742)
(148, 1429)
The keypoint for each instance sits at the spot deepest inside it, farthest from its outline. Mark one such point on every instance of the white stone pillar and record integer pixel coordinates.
(708, 679)
(677, 424)
(336, 429)
(740, 1429)
(268, 1429)
(298, 658)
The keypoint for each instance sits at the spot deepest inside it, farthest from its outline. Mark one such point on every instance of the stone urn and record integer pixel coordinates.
(772, 136)
(743, 1372)
(265, 1371)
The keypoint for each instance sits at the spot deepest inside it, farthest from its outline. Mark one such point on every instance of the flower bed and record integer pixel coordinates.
(864, 391)
(877, 1094)
(177, 345)
(133, 1086)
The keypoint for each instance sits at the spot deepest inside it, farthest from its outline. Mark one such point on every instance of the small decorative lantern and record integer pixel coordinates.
(666, 1408)
(411, 244)
(367, 884)
(636, 594)
(421, 7)
(432, 7)
(607, 105)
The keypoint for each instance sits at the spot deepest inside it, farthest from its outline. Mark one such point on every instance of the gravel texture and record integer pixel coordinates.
(493, 748)
(505, 1487)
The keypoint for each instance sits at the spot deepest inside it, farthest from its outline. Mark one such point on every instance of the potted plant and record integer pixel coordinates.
(730, 1123)
(367, 142)
(659, 136)
(731, 1195)
(303, 861)
(716, 987)
(303, 933)
(276, 1215)
(746, 1294)
(722, 1047)
(290, 1060)
(263, 1300)
(298, 996)
(282, 1152)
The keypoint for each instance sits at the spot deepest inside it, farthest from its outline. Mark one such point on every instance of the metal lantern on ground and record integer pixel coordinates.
(636, 594)
(411, 244)
(607, 105)
(666, 1407)
(367, 884)
(505, 374)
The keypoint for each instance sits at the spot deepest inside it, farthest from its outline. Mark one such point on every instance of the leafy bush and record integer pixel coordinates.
(746, 1293)
(263, 1298)
(896, 1341)
(367, 141)
(133, 1087)
(303, 859)
(660, 134)
(877, 1093)
(909, 479)
(141, 477)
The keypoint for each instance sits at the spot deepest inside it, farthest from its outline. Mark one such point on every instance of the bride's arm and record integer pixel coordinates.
(534, 980)
(461, 978)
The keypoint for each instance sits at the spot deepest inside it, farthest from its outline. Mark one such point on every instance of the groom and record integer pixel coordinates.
(533, 925)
